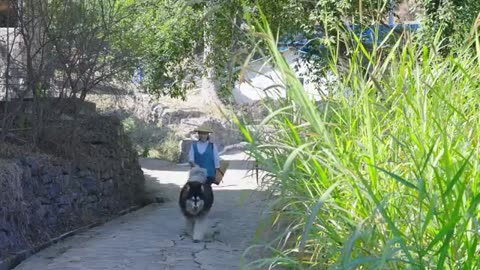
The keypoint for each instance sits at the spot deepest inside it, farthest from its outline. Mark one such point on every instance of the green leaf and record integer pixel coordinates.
(398, 178)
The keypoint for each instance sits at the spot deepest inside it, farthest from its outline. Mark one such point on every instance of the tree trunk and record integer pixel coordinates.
(3, 132)
(210, 85)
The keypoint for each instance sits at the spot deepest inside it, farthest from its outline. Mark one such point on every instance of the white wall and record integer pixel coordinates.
(260, 76)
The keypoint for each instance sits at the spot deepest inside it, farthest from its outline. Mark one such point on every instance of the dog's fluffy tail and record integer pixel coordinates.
(197, 174)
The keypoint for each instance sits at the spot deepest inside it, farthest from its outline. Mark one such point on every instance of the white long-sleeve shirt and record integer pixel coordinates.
(202, 146)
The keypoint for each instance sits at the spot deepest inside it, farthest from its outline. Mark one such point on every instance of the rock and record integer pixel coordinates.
(64, 200)
(30, 162)
(92, 199)
(84, 173)
(254, 113)
(107, 187)
(90, 184)
(234, 148)
(170, 117)
(65, 171)
(107, 174)
(27, 186)
(46, 179)
(156, 113)
(4, 241)
(35, 166)
(42, 211)
(54, 190)
(44, 200)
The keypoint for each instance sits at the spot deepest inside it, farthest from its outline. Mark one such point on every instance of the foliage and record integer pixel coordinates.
(182, 40)
(152, 141)
(164, 36)
(66, 50)
(451, 20)
(168, 149)
(386, 178)
(81, 33)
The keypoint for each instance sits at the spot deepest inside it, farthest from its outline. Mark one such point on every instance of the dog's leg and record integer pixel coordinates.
(189, 226)
(200, 228)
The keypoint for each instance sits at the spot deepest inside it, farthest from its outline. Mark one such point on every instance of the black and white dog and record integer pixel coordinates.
(195, 200)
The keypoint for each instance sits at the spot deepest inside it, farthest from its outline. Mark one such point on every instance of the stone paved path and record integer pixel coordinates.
(151, 238)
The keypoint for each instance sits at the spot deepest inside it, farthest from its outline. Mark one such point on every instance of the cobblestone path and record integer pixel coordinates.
(151, 238)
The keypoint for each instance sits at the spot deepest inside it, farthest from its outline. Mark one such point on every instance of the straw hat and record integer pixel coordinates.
(203, 129)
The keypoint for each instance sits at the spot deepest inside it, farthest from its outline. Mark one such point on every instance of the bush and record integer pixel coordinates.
(152, 141)
(387, 178)
(168, 149)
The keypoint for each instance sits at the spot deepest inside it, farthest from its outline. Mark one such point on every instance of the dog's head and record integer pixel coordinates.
(194, 197)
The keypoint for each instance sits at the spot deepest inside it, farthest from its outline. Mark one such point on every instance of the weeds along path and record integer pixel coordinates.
(151, 238)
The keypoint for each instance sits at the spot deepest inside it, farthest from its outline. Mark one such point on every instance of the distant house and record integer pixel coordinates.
(8, 14)
(11, 50)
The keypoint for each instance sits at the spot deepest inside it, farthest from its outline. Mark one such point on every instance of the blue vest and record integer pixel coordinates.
(205, 160)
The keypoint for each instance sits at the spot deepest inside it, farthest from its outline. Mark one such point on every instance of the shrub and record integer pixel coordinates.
(151, 140)
(387, 178)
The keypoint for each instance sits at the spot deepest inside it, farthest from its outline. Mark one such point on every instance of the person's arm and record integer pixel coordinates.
(191, 157)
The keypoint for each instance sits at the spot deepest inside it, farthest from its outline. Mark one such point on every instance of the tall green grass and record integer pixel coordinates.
(385, 179)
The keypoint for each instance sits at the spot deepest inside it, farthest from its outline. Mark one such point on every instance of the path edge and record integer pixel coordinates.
(13, 261)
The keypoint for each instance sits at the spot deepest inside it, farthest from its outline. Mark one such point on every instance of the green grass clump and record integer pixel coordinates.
(153, 141)
(385, 179)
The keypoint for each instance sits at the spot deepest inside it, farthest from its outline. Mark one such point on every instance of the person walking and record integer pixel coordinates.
(204, 153)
